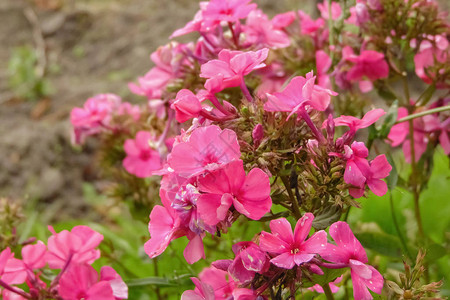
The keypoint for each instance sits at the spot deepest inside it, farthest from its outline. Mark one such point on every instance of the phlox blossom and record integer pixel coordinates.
(348, 250)
(299, 93)
(231, 66)
(77, 245)
(206, 149)
(142, 159)
(292, 248)
(228, 185)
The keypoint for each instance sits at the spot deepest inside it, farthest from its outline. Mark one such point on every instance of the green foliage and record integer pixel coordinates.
(24, 80)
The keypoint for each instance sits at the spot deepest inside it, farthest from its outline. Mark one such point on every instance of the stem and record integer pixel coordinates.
(319, 136)
(166, 129)
(233, 33)
(245, 91)
(209, 116)
(423, 113)
(295, 206)
(327, 291)
(397, 228)
(58, 277)
(330, 30)
(14, 290)
(219, 106)
(155, 268)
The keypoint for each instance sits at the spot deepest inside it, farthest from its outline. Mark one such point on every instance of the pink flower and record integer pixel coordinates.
(192, 26)
(367, 67)
(431, 53)
(126, 108)
(336, 10)
(232, 66)
(77, 245)
(163, 227)
(219, 280)
(250, 195)
(93, 116)
(283, 20)
(349, 251)
(260, 31)
(249, 260)
(80, 282)
(228, 10)
(186, 106)
(202, 291)
(323, 64)
(358, 171)
(292, 249)
(169, 60)
(12, 270)
(355, 124)
(34, 256)
(301, 91)
(206, 149)
(308, 25)
(141, 160)
(120, 289)
(423, 128)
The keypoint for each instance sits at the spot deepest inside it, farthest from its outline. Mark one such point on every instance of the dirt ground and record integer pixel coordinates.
(91, 46)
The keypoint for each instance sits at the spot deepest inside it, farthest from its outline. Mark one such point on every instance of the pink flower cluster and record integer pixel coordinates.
(284, 250)
(204, 190)
(70, 252)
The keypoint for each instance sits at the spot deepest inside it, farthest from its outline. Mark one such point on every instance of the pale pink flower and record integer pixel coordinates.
(186, 106)
(300, 92)
(77, 245)
(348, 250)
(249, 194)
(308, 25)
(118, 286)
(206, 149)
(94, 116)
(169, 60)
(260, 31)
(367, 67)
(323, 64)
(228, 10)
(127, 108)
(232, 66)
(430, 54)
(12, 270)
(34, 256)
(202, 291)
(336, 10)
(289, 248)
(355, 124)
(81, 282)
(283, 20)
(142, 159)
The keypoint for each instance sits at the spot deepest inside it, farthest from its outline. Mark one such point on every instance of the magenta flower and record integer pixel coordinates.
(206, 149)
(34, 256)
(323, 64)
(430, 54)
(333, 287)
(348, 251)
(219, 280)
(77, 245)
(249, 194)
(120, 289)
(261, 32)
(367, 67)
(359, 172)
(249, 260)
(12, 270)
(289, 248)
(232, 66)
(228, 10)
(141, 160)
(202, 291)
(186, 106)
(300, 92)
(81, 282)
(93, 116)
(355, 124)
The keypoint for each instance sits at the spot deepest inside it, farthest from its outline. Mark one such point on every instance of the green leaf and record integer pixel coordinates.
(326, 217)
(328, 276)
(383, 243)
(427, 94)
(434, 252)
(159, 281)
(392, 179)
